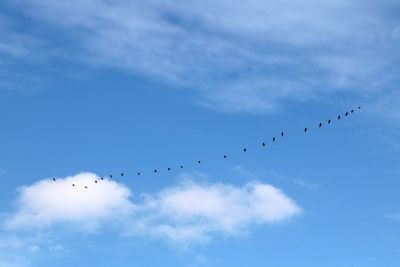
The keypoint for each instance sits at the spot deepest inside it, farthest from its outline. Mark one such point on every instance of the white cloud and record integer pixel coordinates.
(187, 212)
(46, 203)
(238, 57)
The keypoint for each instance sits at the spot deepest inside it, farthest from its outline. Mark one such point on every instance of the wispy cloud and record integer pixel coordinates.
(189, 212)
(393, 217)
(236, 57)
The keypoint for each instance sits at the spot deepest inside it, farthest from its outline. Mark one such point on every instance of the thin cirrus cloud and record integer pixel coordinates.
(237, 57)
(189, 212)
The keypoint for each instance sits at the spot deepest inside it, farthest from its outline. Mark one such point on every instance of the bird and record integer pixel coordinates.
(273, 139)
(155, 170)
(225, 156)
(263, 144)
(102, 178)
(73, 184)
(359, 107)
(352, 111)
(305, 130)
(122, 174)
(95, 181)
(138, 173)
(320, 124)
(54, 179)
(338, 117)
(282, 134)
(169, 169)
(181, 167)
(346, 114)
(86, 187)
(110, 175)
(244, 150)
(329, 121)
(199, 161)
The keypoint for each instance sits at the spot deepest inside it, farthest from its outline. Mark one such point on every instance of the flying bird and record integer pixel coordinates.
(244, 150)
(199, 162)
(273, 139)
(95, 181)
(352, 111)
(359, 107)
(169, 169)
(122, 174)
(320, 124)
(102, 178)
(181, 167)
(225, 157)
(73, 184)
(282, 134)
(86, 187)
(54, 179)
(346, 114)
(329, 121)
(305, 130)
(110, 175)
(263, 144)
(138, 173)
(155, 170)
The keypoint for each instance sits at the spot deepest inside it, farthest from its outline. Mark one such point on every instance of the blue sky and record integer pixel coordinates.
(92, 88)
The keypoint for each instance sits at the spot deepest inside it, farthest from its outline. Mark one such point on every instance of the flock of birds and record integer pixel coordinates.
(225, 156)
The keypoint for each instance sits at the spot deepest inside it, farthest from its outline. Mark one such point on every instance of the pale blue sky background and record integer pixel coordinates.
(110, 86)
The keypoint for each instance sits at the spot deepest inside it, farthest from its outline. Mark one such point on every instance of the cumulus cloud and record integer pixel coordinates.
(46, 203)
(237, 57)
(187, 212)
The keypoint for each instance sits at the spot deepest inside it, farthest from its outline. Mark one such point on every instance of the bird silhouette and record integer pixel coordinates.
(122, 174)
(273, 139)
(305, 130)
(320, 124)
(225, 156)
(86, 187)
(95, 181)
(244, 150)
(155, 170)
(181, 167)
(263, 144)
(110, 175)
(329, 121)
(338, 117)
(282, 134)
(73, 184)
(199, 161)
(54, 179)
(346, 114)
(352, 111)
(138, 173)
(169, 169)
(102, 178)
(359, 107)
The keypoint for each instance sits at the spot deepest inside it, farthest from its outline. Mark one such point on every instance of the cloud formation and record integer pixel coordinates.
(187, 212)
(236, 57)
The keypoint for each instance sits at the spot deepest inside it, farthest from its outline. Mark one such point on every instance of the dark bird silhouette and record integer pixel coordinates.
(320, 124)
(346, 114)
(110, 175)
(359, 107)
(54, 179)
(181, 167)
(199, 162)
(329, 121)
(102, 178)
(305, 130)
(155, 170)
(352, 111)
(169, 169)
(138, 173)
(273, 139)
(73, 184)
(263, 144)
(86, 187)
(338, 117)
(122, 174)
(244, 150)
(282, 134)
(95, 181)
(225, 157)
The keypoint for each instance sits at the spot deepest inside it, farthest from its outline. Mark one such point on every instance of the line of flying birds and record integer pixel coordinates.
(225, 156)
